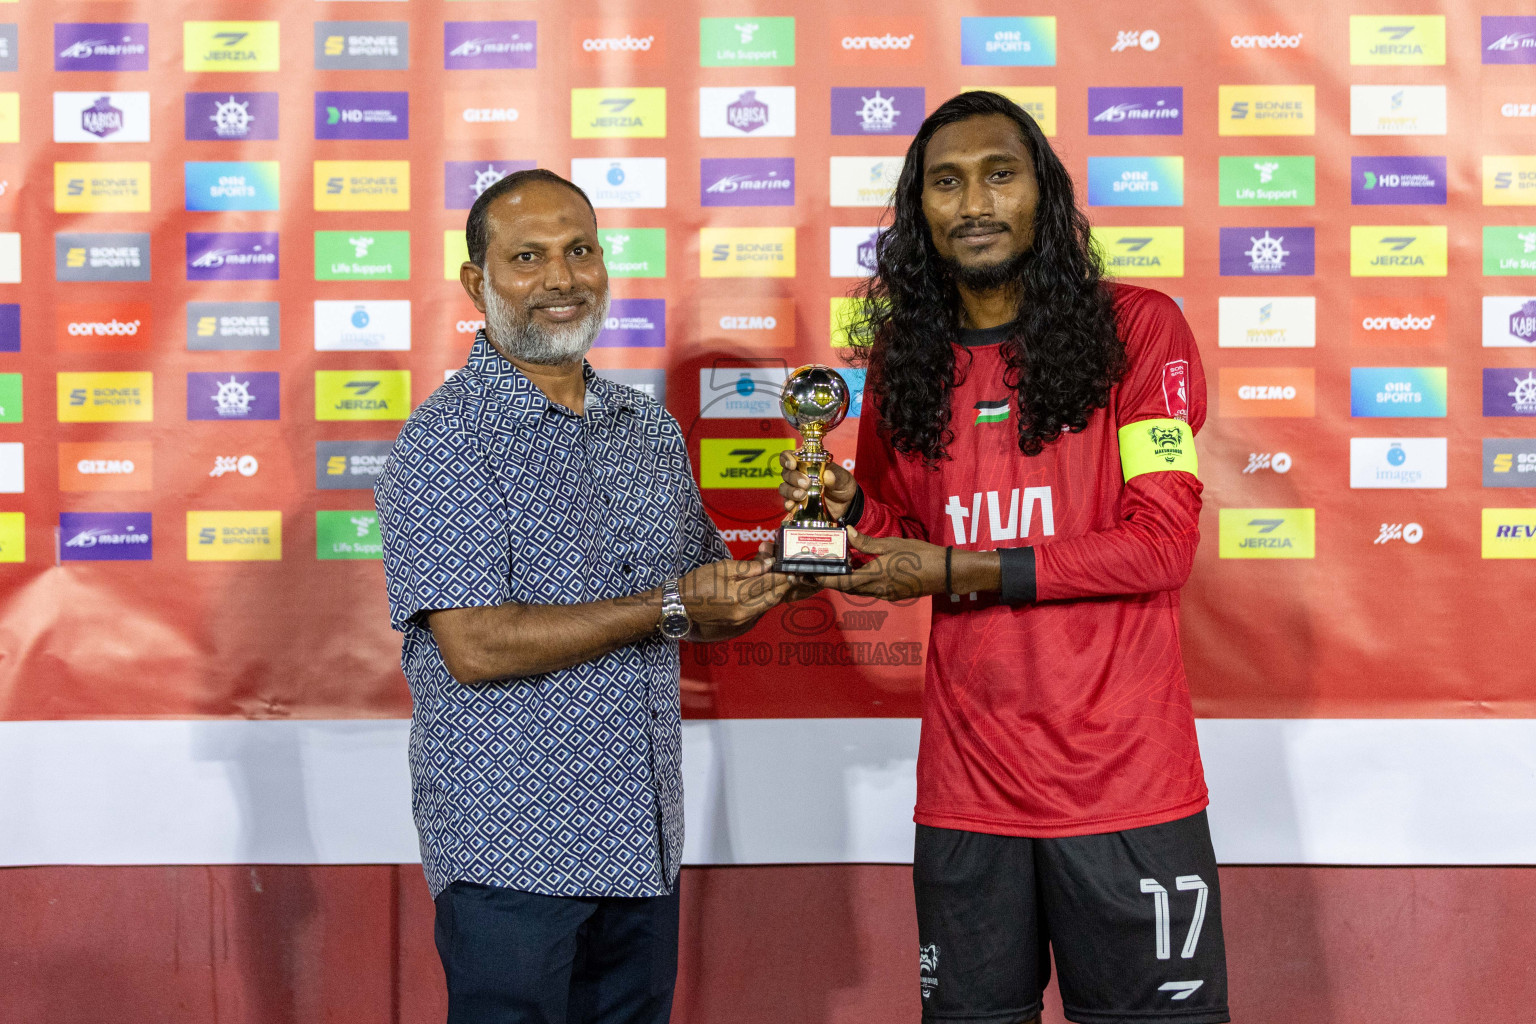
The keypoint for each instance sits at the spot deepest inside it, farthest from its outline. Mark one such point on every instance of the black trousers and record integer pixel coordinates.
(520, 958)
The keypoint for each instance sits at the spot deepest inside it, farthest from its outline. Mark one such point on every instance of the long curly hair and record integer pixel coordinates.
(1064, 355)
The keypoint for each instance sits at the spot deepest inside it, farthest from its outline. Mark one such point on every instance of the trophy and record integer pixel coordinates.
(811, 541)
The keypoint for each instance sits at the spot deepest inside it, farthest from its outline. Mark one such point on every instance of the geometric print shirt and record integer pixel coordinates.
(566, 783)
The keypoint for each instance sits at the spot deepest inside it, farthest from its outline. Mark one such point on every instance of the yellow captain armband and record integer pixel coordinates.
(1156, 446)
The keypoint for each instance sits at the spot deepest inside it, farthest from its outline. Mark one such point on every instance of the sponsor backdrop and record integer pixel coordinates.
(228, 270)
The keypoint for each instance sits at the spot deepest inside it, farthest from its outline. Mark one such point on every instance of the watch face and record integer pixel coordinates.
(674, 627)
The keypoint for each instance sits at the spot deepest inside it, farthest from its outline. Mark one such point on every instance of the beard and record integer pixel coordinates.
(514, 333)
(991, 276)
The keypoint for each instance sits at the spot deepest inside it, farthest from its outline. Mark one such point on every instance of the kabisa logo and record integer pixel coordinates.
(106, 397)
(1277, 321)
(233, 326)
(634, 323)
(490, 44)
(106, 536)
(101, 256)
(1509, 40)
(362, 395)
(349, 465)
(853, 251)
(234, 536)
(1141, 251)
(1137, 110)
(1397, 391)
(230, 185)
(759, 112)
(1136, 181)
(101, 117)
(362, 185)
(1509, 462)
(636, 182)
(1136, 39)
(1509, 392)
(1267, 533)
(101, 46)
(1509, 321)
(877, 111)
(1509, 181)
(737, 462)
(1267, 251)
(1397, 180)
(362, 45)
(362, 115)
(232, 256)
(374, 325)
(1397, 462)
(230, 45)
(638, 113)
(1406, 251)
(464, 180)
(1267, 109)
(747, 252)
(1029, 42)
(761, 181)
(221, 116)
(233, 396)
(1277, 462)
(1396, 39)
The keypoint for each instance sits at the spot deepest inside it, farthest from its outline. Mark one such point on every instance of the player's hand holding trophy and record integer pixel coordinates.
(812, 542)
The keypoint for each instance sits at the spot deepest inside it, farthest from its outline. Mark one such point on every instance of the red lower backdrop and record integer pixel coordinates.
(761, 945)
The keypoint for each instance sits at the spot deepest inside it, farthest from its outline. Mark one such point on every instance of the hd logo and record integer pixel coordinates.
(741, 462)
(1509, 181)
(619, 113)
(229, 45)
(362, 394)
(1141, 252)
(362, 185)
(106, 397)
(1268, 533)
(235, 536)
(101, 187)
(1417, 250)
(1396, 39)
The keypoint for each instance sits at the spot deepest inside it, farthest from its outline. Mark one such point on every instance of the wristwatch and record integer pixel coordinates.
(674, 624)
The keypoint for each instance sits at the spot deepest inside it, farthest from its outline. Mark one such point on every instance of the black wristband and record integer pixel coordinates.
(855, 508)
(949, 579)
(1016, 572)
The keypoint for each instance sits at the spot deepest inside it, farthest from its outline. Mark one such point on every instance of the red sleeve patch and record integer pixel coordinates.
(1176, 388)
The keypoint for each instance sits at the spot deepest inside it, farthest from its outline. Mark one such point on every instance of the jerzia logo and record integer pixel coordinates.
(1267, 533)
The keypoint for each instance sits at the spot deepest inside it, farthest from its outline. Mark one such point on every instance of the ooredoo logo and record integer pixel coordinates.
(102, 326)
(1271, 37)
(618, 41)
(1379, 321)
(865, 42)
(1273, 41)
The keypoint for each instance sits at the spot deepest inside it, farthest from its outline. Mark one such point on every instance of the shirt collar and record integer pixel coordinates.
(524, 396)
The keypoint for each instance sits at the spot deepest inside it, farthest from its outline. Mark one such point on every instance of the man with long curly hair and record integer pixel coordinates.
(1026, 456)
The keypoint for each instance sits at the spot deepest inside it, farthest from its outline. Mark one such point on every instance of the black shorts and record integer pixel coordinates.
(1133, 918)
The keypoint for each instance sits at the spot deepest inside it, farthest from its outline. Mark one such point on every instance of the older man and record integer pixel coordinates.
(545, 549)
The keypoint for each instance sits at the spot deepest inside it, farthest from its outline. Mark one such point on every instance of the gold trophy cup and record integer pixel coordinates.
(811, 541)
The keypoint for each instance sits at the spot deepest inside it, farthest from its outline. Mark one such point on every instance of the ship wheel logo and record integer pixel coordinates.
(231, 118)
(878, 113)
(1525, 393)
(1267, 255)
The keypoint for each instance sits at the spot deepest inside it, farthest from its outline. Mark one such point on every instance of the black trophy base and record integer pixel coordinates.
(812, 550)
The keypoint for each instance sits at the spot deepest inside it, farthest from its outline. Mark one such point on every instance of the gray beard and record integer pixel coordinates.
(513, 332)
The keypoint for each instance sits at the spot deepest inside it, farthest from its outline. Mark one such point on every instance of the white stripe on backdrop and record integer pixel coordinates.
(760, 791)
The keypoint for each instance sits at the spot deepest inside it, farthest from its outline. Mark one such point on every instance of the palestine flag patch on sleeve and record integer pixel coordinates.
(992, 412)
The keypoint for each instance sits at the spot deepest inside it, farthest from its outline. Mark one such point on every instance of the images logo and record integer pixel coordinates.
(223, 116)
(1397, 180)
(639, 113)
(1509, 40)
(1378, 462)
(101, 256)
(362, 185)
(106, 397)
(1383, 321)
(862, 42)
(233, 326)
(226, 185)
(749, 322)
(741, 392)
(1397, 391)
(234, 536)
(1397, 39)
(1509, 251)
(1136, 181)
(372, 325)
(101, 187)
(1509, 462)
(745, 462)
(1140, 251)
(106, 466)
(229, 45)
(746, 42)
(101, 117)
(464, 180)
(1397, 110)
(103, 327)
(1277, 392)
(747, 252)
(233, 396)
(106, 537)
(1509, 321)
(1509, 392)
(636, 182)
(362, 45)
(1267, 533)
(100, 46)
(1410, 251)
(1136, 110)
(1268, 181)
(634, 323)
(362, 115)
(232, 256)
(1266, 110)
(349, 465)
(1267, 321)
(1026, 42)
(490, 44)
(758, 181)
(761, 112)
(1267, 252)
(362, 394)
(877, 111)
(1509, 533)
(863, 180)
(634, 252)
(362, 255)
(1509, 181)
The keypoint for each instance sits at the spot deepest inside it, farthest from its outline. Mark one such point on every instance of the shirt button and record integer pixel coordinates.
(626, 568)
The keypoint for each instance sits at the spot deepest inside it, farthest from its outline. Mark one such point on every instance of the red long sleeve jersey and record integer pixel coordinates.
(1069, 716)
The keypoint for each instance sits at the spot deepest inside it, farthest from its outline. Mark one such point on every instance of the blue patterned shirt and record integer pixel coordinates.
(567, 783)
